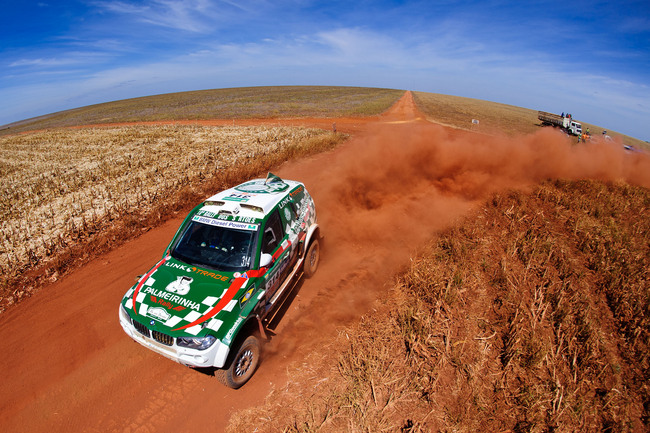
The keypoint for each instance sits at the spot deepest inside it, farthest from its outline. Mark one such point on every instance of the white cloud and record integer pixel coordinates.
(37, 62)
(63, 60)
(194, 16)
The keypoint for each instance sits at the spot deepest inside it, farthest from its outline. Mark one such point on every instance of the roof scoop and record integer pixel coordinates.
(229, 209)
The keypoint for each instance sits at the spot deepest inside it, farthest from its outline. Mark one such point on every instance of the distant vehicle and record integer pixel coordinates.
(223, 277)
(566, 123)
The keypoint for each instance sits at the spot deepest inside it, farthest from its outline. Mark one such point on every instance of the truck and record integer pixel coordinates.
(565, 122)
(210, 300)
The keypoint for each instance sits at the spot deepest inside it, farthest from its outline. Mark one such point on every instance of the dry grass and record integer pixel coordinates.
(494, 118)
(66, 188)
(458, 112)
(530, 317)
(237, 103)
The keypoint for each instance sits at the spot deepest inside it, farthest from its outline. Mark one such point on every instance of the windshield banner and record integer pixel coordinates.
(222, 223)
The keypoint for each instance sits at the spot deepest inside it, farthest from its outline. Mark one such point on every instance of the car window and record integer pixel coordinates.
(215, 247)
(273, 233)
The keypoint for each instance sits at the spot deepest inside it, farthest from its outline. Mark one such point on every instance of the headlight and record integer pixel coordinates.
(199, 343)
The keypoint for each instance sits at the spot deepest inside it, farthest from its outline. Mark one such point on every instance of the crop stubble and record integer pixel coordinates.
(62, 186)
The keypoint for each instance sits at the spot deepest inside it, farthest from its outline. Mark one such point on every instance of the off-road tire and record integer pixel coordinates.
(312, 258)
(241, 367)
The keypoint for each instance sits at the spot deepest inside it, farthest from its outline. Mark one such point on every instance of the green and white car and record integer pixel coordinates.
(224, 274)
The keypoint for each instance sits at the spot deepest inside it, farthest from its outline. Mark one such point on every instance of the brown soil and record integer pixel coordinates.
(350, 125)
(69, 366)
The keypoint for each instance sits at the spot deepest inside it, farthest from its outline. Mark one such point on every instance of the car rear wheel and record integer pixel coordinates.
(243, 364)
(312, 258)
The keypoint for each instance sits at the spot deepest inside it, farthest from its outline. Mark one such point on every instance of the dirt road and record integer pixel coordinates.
(68, 366)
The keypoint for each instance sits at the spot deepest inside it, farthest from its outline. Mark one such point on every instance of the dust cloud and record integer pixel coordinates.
(387, 192)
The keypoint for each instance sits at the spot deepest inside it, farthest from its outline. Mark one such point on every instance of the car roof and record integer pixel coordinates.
(255, 198)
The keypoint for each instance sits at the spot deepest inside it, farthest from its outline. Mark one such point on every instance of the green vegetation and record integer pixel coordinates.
(532, 315)
(237, 103)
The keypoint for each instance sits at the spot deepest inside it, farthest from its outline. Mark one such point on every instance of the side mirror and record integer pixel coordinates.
(266, 260)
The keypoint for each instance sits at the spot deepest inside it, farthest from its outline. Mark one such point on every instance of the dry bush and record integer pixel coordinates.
(64, 187)
(531, 316)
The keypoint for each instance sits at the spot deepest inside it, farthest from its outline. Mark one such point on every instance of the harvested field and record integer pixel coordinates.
(62, 187)
(237, 103)
(459, 112)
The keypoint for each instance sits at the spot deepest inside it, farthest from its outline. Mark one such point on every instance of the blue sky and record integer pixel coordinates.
(590, 58)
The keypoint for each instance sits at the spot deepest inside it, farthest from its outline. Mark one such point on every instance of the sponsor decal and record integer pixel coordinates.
(273, 279)
(245, 219)
(171, 297)
(223, 223)
(247, 296)
(166, 304)
(232, 330)
(177, 266)
(181, 286)
(196, 270)
(241, 198)
(260, 187)
(295, 192)
(158, 313)
(227, 297)
(208, 274)
(284, 202)
(206, 213)
(287, 214)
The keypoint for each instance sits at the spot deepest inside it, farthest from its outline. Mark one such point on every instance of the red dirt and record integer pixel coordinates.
(69, 366)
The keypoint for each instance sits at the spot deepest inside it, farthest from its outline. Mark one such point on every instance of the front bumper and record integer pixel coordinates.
(214, 356)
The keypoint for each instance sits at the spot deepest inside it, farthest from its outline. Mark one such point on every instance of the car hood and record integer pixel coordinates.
(180, 299)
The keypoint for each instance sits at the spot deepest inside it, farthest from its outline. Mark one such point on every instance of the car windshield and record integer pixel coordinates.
(220, 248)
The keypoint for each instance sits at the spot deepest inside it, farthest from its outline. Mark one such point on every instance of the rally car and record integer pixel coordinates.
(232, 262)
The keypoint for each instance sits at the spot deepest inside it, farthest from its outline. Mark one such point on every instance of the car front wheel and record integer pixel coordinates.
(243, 364)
